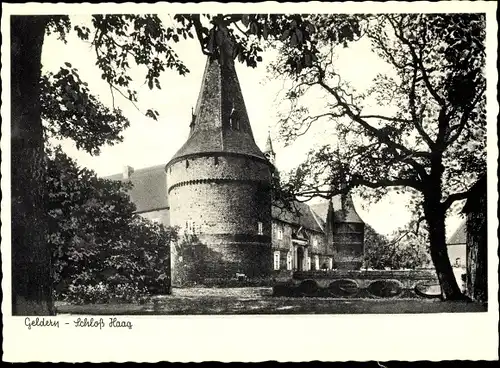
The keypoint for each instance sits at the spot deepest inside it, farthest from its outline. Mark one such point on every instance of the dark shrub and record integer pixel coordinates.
(284, 290)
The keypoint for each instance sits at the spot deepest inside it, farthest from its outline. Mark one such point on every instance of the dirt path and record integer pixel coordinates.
(259, 301)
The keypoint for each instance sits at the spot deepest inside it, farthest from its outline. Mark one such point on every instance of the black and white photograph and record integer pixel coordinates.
(252, 171)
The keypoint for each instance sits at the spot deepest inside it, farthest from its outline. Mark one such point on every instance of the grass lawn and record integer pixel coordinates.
(260, 301)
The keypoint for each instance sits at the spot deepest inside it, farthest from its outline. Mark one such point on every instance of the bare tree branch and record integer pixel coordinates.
(399, 34)
(388, 118)
(465, 118)
(384, 183)
(377, 132)
(417, 117)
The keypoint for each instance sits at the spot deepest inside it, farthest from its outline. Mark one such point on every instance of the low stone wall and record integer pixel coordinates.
(361, 284)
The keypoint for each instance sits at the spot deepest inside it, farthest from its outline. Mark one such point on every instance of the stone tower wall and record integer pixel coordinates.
(348, 241)
(221, 197)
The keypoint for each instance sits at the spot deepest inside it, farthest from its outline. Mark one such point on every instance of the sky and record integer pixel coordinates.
(148, 142)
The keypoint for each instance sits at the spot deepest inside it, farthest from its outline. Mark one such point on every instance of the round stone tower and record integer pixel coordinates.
(218, 185)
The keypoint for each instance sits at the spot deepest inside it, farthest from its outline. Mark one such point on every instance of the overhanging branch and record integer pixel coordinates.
(385, 183)
(381, 136)
(455, 197)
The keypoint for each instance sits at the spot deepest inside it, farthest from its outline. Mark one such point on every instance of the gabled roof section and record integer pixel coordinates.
(269, 145)
(349, 213)
(474, 203)
(321, 208)
(221, 122)
(297, 213)
(459, 236)
(149, 191)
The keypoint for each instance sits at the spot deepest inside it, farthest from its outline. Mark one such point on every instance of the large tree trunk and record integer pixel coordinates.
(31, 271)
(435, 217)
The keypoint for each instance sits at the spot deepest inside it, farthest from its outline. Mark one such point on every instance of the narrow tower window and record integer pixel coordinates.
(187, 164)
(234, 120)
(280, 234)
(260, 228)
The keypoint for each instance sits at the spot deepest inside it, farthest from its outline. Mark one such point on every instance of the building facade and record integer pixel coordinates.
(217, 190)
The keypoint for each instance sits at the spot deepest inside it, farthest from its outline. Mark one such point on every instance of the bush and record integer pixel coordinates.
(127, 271)
(102, 250)
(284, 290)
(105, 293)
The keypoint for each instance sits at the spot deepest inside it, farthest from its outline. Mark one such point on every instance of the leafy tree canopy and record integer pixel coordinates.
(125, 41)
(403, 249)
(430, 139)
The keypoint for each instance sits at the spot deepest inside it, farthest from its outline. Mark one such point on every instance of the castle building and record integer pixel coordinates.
(217, 190)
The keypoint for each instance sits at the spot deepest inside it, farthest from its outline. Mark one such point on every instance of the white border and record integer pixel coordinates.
(259, 338)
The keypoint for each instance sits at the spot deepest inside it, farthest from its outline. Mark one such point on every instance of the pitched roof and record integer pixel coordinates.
(321, 208)
(149, 191)
(478, 189)
(269, 144)
(221, 122)
(298, 213)
(459, 236)
(349, 213)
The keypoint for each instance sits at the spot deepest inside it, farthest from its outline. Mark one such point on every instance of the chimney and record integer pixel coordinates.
(127, 171)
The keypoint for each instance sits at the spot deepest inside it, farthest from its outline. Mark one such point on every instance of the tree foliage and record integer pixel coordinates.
(404, 249)
(101, 249)
(69, 110)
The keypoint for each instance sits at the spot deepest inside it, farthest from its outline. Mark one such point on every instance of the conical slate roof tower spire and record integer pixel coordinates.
(221, 121)
(269, 151)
